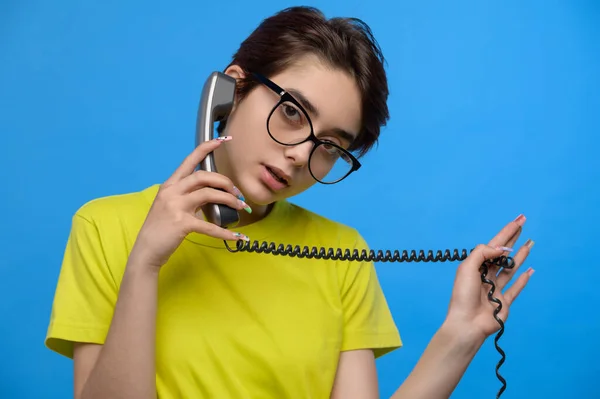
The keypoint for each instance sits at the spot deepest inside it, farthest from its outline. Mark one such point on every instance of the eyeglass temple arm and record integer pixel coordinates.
(271, 85)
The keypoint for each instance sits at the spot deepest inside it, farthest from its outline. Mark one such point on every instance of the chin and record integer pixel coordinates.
(261, 197)
(256, 193)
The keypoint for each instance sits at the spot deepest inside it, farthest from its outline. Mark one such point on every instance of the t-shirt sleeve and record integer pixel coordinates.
(86, 292)
(368, 320)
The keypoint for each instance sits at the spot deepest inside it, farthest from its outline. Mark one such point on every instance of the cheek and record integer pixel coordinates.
(250, 129)
(303, 182)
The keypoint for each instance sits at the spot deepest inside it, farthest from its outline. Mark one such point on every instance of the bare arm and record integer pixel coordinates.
(124, 367)
(356, 376)
(442, 365)
(436, 375)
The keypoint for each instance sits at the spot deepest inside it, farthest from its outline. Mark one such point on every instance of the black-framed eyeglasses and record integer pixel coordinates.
(288, 124)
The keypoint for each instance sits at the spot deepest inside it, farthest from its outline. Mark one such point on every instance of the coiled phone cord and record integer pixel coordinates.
(504, 262)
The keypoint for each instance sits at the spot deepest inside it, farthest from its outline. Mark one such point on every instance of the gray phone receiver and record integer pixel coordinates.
(216, 103)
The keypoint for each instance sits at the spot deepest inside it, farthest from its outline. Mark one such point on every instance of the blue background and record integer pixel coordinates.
(495, 111)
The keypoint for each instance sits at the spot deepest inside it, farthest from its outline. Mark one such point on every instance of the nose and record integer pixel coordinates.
(299, 154)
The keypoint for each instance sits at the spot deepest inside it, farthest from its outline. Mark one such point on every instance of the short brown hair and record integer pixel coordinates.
(345, 43)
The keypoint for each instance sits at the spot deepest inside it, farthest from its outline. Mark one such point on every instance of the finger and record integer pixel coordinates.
(493, 269)
(196, 199)
(508, 232)
(200, 179)
(210, 229)
(506, 275)
(511, 242)
(506, 237)
(513, 292)
(190, 162)
(480, 254)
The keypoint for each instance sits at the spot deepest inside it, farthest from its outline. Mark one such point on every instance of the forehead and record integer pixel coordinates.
(332, 92)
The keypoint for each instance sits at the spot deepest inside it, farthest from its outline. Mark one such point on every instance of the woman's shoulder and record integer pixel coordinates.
(115, 216)
(122, 206)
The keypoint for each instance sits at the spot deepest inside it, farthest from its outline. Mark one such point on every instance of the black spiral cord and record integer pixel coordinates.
(507, 263)
(504, 262)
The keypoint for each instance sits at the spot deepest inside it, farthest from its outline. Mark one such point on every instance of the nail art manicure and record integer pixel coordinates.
(223, 138)
(520, 220)
(245, 206)
(238, 194)
(530, 271)
(506, 249)
(241, 236)
(529, 243)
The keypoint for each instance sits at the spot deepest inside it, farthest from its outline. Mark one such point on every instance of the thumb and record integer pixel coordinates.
(483, 252)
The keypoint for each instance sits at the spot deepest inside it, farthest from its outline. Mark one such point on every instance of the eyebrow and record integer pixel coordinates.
(297, 94)
(344, 135)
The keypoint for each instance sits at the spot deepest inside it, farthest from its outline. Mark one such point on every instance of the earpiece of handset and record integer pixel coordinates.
(215, 105)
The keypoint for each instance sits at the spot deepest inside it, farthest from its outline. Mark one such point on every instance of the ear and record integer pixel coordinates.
(236, 72)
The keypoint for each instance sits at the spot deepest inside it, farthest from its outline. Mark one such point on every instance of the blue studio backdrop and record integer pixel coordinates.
(494, 112)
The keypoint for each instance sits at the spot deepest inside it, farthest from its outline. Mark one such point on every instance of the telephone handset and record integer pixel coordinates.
(215, 105)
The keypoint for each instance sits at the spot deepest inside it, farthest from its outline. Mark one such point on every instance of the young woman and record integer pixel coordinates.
(150, 303)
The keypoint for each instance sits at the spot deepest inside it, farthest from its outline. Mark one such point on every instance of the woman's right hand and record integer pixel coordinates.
(172, 215)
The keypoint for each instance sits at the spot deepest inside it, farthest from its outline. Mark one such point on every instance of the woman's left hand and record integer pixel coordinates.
(470, 308)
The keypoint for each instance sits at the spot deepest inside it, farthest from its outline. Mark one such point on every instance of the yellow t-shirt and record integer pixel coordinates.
(229, 325)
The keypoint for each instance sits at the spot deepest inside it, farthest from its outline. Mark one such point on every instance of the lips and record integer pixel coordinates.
(279, 175)
(274, 178)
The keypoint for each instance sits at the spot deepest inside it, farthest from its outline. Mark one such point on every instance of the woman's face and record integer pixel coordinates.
(252, 156)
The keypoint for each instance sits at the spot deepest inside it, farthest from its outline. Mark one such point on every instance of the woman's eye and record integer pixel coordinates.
(330, 147)
(291, 113)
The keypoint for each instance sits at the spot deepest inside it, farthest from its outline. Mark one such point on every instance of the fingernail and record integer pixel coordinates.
(506, 249)
(529, 243)
(241, 236)
(520, 220)
(530, 271)
(245, 206)
(224, 138)
(238, 193)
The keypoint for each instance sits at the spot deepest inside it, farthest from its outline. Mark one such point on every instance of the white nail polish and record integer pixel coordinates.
(506, 249)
